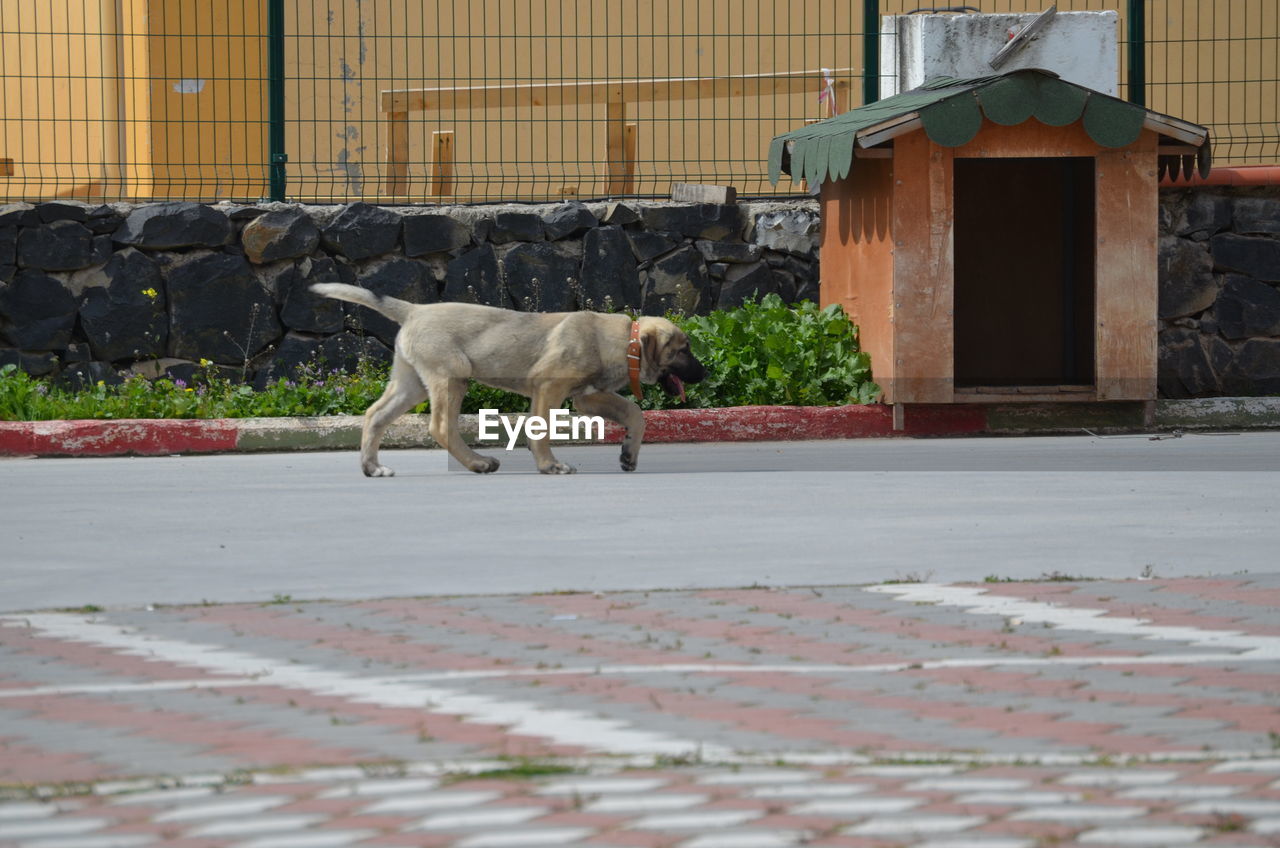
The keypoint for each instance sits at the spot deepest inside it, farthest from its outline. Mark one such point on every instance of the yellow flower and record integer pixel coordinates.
(205, 363)
(188, 389)
(151, 293)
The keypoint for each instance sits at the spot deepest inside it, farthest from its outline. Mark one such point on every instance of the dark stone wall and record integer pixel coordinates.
(1219, 292)
(90, 292)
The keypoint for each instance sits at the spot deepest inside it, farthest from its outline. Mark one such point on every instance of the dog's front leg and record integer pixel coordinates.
(622, 411)
(543, 400)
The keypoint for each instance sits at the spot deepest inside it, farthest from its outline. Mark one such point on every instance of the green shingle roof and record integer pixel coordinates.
(951, 110)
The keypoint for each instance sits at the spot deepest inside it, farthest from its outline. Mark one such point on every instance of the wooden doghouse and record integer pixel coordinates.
(995, 238)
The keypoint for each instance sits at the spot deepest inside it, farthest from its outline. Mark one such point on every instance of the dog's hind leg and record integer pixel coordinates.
(404, 391)
(446, 404)
(616, 408)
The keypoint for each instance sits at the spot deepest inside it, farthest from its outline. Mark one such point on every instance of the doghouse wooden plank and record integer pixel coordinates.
(923, 278)
(1031, 139)
(1127, 290)
(857, 257)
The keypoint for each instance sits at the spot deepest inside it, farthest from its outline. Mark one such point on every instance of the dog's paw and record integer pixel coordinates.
(558, 468)
(627, 461)
(378, 471)
(484, 465)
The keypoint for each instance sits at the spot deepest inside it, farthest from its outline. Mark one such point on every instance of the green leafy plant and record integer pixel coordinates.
(768, 353)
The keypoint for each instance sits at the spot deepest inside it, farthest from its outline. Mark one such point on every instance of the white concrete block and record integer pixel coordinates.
(1081, 47)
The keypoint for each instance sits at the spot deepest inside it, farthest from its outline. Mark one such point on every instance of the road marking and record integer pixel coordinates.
(1086, 619)
(561, 726)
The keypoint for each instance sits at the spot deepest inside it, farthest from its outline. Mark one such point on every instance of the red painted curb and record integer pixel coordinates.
(143, 437)
(737, 424)
(794, 423)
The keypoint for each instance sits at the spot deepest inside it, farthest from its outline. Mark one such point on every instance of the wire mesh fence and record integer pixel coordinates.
(411, 101)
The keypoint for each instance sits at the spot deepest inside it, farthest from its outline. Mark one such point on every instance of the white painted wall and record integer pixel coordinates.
(1079, 46)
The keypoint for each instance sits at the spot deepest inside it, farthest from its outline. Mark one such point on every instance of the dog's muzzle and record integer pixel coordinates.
(681, 371)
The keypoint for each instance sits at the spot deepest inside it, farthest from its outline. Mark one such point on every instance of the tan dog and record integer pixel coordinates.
(546, 357)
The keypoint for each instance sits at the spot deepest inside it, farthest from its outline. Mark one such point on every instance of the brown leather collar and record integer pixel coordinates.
(633, 361)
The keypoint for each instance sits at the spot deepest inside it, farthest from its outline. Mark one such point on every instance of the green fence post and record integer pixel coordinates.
(275, 98)
(870, 51)
(1137, 52)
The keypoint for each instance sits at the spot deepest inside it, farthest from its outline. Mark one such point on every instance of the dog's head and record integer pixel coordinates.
(667, 359)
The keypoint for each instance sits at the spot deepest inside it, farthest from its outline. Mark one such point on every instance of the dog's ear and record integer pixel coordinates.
(649, 341)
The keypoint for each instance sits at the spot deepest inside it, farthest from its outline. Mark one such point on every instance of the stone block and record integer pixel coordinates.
(218, 309)
(284, 234)
(37, 313)
(361, 231)
(174, 226)
(610, 280)
(127, 317)
(543, 276)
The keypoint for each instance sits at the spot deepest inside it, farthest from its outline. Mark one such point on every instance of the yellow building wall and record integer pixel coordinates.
(133, 98)
(144, 99)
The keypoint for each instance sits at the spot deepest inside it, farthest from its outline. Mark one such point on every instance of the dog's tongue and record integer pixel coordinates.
(679, 385)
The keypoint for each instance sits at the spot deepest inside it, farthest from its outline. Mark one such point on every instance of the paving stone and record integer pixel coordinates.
(744, 839)
(163, 797)
(1178, 793)
(254, 826)
(695, 820)
(382, 787)
(647, 803)
(855, 806)
(526, 838)
(26, 810)
(1233, 806)
(104, 840)
(978, 842)
(1262, 765)
(411, 804)
(812, 789)
(1266, 825)
(318, 839)
(1118, 777)
(905, 771)
(748, 778)
(1160, 836)
(963, 783)
(915, 825)
(602, 785)
(1020, 799)
(28, 829)
(485, 817)
(239, 806)
(1073, 813)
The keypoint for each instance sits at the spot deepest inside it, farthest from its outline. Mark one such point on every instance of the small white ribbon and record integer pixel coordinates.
(828, 92)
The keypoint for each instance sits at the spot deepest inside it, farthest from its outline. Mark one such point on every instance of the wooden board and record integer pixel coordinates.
(604, 91)
(923, 293)
(1028, 139)
(857, 257)
(1127, 291)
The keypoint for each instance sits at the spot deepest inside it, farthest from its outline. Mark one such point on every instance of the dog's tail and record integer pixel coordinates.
(395, 309)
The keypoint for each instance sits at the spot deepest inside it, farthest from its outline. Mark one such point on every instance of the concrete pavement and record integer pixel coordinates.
(1000, 715)
(132, 531)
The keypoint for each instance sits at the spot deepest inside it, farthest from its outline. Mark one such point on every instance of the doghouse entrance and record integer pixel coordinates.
(1024, 275)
